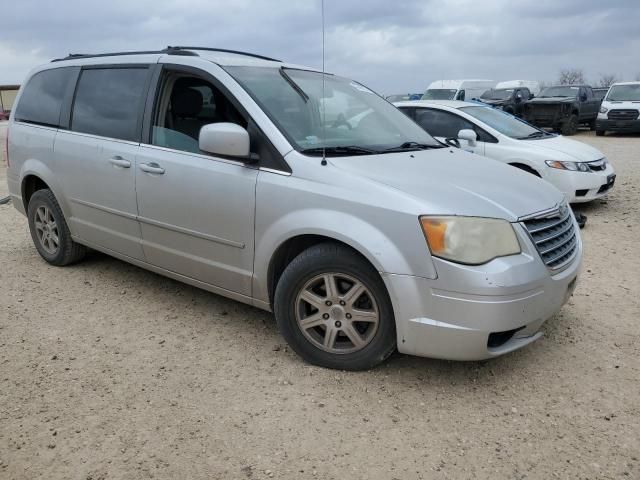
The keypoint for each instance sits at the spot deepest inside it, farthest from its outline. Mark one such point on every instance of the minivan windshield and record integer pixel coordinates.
(334, 117)
(439, 94)
(624, 93)
(505, 124)
(502, 94)
(560, 91)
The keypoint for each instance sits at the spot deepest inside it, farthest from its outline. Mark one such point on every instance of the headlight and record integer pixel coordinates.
(469, 240)
(573, 166)
(604, 109)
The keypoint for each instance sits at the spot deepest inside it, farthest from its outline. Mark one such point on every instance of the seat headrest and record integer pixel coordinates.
(186, 102)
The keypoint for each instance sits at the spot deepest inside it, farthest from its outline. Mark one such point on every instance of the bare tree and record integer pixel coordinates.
(606, 80)
(571, 76)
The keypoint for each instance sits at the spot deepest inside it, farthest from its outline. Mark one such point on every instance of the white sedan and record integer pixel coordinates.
(578, 170)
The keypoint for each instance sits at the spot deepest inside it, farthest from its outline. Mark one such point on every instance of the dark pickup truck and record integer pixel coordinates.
(563, 108)
(511, 100)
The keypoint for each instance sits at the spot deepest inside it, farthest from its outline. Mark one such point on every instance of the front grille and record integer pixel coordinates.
(623, 114)
(554, 236)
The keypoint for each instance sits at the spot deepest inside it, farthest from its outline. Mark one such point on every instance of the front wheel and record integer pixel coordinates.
(570, 127)
(333, 309)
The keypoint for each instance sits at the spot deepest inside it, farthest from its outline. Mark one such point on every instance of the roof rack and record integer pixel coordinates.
(186, 51)
(224, 50)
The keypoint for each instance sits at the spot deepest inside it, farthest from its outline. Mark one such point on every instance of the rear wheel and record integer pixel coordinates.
(333, 309)
(600, 133)
(592, 125)
(49, 230)
(570, 127)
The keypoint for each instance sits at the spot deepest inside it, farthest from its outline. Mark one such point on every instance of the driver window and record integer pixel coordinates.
(186, 103)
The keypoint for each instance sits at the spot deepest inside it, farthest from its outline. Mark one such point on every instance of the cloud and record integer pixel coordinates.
(393, 47)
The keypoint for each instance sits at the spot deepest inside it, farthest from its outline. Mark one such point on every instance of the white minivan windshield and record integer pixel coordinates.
(624, 93)
(334, 117)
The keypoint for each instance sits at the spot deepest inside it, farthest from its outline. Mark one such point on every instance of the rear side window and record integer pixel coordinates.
(43, 95)
(108, 102)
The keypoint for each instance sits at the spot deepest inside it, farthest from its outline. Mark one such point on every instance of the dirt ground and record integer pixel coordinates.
(108, 371)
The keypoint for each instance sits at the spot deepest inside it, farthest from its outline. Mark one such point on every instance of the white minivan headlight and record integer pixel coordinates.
(573, 166)
(469, 240)
(604, 109)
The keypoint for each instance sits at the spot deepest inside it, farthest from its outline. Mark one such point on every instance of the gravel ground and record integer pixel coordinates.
(108, 371)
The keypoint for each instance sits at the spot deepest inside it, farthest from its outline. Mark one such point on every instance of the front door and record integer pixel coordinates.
(196, 211)
(446, 125)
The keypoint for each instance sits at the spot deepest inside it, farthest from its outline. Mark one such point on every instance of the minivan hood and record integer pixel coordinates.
(577, 151)
(455, 182)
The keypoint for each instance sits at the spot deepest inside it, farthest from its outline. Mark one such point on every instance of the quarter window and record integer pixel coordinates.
(43, 95)
(108, 102)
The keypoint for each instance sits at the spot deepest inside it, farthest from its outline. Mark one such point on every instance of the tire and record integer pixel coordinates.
(600, 133)
(570, 127)
(47, 223)
(592, 125)
(327, 340)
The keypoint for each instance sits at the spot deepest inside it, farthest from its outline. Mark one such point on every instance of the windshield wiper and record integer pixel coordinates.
(343, 150)
(534, 135)
(410, 146)
(294, 85)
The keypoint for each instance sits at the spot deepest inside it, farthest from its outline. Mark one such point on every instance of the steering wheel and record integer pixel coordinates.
(341, 121)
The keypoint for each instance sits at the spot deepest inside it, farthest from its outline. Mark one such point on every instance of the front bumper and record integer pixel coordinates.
(581, 187)
(457, 315)
(625, 126)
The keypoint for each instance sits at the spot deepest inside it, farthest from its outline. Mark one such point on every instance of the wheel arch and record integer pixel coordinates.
(526, 167)
(291, 248)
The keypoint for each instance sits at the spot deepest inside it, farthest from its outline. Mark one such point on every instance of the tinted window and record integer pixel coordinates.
(108, 102)
(42, 98)
(441, 124)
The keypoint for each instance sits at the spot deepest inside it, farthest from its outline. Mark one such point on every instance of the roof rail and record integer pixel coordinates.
(187, 51)
(223, 50)
(169, 51)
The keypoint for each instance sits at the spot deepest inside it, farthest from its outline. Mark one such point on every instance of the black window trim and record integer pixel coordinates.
(477, 128)
(141, 107)
(153, 98)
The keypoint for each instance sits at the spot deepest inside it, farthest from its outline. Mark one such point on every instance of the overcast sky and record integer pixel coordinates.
(392, 46)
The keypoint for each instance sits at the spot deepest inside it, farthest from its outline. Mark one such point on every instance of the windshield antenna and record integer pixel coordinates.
(324, 106)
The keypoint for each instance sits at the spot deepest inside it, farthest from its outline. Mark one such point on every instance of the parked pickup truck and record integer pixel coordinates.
(511, 100)
(563, 108)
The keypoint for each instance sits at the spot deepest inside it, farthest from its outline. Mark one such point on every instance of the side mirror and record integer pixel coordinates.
(225, 139)
(468, 135)
(583, 97)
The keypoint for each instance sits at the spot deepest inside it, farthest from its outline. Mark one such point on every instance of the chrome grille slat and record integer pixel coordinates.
(549, 223)
(566, 226)
(554, 236)
(556, 246)
(565, 252)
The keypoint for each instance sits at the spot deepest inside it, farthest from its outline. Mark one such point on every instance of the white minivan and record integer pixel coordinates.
(457, 89)
(620, 109)
(578, 170)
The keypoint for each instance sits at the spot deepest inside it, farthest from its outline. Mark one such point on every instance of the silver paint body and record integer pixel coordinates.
(216, 223)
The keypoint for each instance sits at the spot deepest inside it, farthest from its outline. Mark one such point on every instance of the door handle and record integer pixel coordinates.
(152, 167)
(118, 161)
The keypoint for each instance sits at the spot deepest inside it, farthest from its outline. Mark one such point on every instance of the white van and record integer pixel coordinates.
(457, 89)
(620, 109)
(532, 85)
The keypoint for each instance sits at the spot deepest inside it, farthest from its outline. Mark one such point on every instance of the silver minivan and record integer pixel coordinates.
(294, 191)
